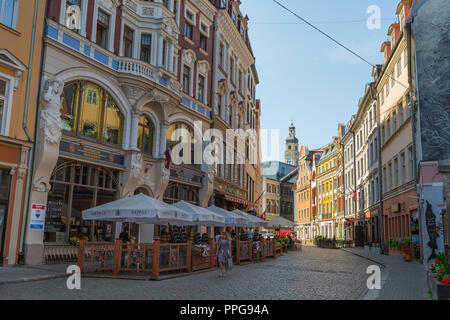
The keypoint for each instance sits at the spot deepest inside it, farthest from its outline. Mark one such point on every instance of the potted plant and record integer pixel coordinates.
(439, 278)
(406, 249)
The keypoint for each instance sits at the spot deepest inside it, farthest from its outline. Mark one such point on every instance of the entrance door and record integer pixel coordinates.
(5, 187)
(359, 236)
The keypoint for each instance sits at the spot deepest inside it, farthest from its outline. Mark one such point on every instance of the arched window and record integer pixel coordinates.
(145, 134)
(90, 111)
(181, 132)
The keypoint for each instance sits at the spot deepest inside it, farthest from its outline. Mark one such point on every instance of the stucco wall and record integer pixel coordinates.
(432, 45)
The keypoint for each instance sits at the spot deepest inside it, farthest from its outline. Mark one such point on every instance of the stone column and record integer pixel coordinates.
(160, 49)
(134, 130)
(170, 59)
(162, 140)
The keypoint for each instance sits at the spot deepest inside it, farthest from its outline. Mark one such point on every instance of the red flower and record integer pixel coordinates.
(432, 265)
(438, 261)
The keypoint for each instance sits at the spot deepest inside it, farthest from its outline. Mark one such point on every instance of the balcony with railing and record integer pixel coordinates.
(122, 65)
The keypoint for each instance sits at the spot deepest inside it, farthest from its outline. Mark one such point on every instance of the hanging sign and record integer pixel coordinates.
(37, 219)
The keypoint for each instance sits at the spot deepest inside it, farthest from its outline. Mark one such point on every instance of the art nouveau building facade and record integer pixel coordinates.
(130, 81)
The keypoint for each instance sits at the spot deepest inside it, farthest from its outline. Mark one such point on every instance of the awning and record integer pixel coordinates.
(140, 209)
(231, 219)
(235, 199)
(350, 220)
(202, 216)
(254, 222)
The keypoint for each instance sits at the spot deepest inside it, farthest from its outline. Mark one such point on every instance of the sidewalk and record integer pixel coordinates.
(12, 274)
(400, 280)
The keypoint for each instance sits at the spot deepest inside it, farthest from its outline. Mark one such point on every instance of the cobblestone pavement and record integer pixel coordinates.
(312, 273)
(400, 280)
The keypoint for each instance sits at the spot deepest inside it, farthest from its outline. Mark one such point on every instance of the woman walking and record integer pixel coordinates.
(223, 253)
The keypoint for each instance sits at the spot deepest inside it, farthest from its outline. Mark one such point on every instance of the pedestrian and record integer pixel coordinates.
(124, 235)
(217, 237)
(223, 254)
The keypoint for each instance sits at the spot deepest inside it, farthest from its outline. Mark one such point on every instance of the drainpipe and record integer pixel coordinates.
(30, 162)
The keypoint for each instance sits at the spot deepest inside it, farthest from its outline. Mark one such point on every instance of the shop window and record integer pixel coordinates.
(145, 135)
(76, 187)
(87, 110)
(180, 192)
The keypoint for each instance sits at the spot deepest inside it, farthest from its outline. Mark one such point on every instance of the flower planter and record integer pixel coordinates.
(199, 262)
(438, 290)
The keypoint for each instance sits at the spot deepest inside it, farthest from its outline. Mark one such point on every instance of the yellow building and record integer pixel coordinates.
(327, 187)
(21, 28)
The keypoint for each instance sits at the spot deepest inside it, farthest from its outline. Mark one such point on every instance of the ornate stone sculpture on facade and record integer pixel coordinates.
(50, 116)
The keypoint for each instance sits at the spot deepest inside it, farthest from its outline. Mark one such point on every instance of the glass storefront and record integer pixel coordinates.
(77, 187)
(5, 187)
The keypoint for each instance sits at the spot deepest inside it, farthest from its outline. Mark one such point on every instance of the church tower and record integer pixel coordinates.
(292, 152)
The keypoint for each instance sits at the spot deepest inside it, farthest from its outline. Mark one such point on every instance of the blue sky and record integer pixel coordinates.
(304, 74)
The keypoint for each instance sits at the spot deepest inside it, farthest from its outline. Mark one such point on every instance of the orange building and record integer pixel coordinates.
(21, 29)
(305, 193)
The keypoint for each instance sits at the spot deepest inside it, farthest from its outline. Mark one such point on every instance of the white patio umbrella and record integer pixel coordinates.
(254, 221)
(140, 209)
(280, 222)
(202, 216)
(231, 219)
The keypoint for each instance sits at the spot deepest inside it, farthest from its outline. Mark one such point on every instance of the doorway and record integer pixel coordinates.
(5, 187)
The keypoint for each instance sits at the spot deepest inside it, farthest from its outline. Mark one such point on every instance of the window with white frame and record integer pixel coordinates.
(221, 54)
(8, 13)
(186, 79)
(204, 34)
(189, 24)
(6, 94)
(201, 94)
(3, 101)
(146, 48)
(128, 37)
(102, 35)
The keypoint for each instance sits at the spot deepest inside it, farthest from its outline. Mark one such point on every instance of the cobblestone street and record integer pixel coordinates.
(309, 274)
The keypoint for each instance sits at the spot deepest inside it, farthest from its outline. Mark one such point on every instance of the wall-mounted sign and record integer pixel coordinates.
(182, 175)
(88, 152)
(37, 219)
(396, 208)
